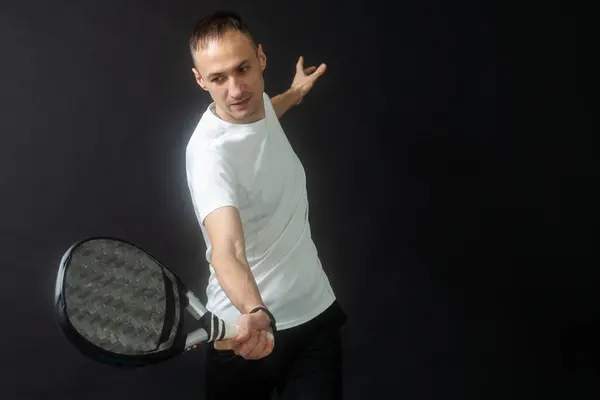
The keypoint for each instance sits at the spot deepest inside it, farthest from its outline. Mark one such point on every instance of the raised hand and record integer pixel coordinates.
(306, 77)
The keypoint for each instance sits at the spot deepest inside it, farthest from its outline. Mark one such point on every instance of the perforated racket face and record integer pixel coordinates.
(118, 298)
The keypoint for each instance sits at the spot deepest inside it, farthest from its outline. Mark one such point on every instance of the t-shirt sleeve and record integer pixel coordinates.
(212, 183)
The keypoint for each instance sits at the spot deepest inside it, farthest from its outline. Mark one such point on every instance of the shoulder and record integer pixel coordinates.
(206, 131)
(204, 139)
(205, 157)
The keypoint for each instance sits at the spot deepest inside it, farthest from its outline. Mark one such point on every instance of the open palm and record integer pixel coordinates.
(305, 78)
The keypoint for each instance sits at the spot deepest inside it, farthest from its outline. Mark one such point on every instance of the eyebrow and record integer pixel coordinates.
(213, 74)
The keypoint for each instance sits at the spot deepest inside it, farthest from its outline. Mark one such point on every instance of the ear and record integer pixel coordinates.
(199, 79)
(262, 58)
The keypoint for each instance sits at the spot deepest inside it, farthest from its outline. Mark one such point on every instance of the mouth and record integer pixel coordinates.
(241, 103)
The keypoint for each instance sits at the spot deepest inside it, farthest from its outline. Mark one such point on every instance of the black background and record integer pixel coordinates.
(450, 176)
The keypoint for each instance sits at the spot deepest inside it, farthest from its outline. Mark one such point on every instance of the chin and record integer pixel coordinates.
(240, 114)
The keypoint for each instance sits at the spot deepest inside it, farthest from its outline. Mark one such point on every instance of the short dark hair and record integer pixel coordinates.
(213, 26)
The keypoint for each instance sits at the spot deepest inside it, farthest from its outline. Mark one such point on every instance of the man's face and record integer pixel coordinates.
(230, 69)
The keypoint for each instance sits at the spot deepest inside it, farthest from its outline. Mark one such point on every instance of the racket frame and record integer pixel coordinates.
(213, 328)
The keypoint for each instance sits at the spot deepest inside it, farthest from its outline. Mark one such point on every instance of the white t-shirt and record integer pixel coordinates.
(253, 168)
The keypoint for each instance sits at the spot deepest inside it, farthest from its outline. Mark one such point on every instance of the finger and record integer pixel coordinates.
(266, 347)
(247, 347)
(270, 343)
(261, 346)
(224, 344)
(310, 70)
(243, 331)
(300, 64)
(320, 71)
(250, 354)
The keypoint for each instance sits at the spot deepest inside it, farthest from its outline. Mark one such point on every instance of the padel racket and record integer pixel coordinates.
(118, 305)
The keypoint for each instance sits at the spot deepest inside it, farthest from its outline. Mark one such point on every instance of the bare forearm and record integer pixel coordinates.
(237, 281)
(284, 101)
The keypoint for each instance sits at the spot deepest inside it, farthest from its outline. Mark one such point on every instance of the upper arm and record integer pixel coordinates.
(212, 182)
(226, 234)
(213, 185)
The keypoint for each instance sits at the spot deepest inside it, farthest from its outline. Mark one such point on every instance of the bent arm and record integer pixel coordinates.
(284, 101)
(229, 261)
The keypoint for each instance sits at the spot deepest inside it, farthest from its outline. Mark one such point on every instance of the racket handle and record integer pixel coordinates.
(230, 331)
(216, 328)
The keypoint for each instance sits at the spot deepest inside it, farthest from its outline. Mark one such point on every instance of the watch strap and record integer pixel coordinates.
(266, 311)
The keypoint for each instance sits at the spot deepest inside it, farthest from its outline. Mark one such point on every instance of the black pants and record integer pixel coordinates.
(306, 363)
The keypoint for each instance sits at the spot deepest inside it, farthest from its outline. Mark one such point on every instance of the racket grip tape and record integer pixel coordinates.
(216, 328)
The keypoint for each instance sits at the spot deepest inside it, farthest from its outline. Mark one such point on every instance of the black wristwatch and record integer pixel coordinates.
(271, 317)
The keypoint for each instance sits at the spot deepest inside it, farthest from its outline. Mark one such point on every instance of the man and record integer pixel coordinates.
(249, 194)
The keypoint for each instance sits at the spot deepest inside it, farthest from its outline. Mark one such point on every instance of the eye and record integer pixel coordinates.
(217, 79)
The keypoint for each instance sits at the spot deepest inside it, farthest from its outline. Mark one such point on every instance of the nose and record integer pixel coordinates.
(236, 88)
